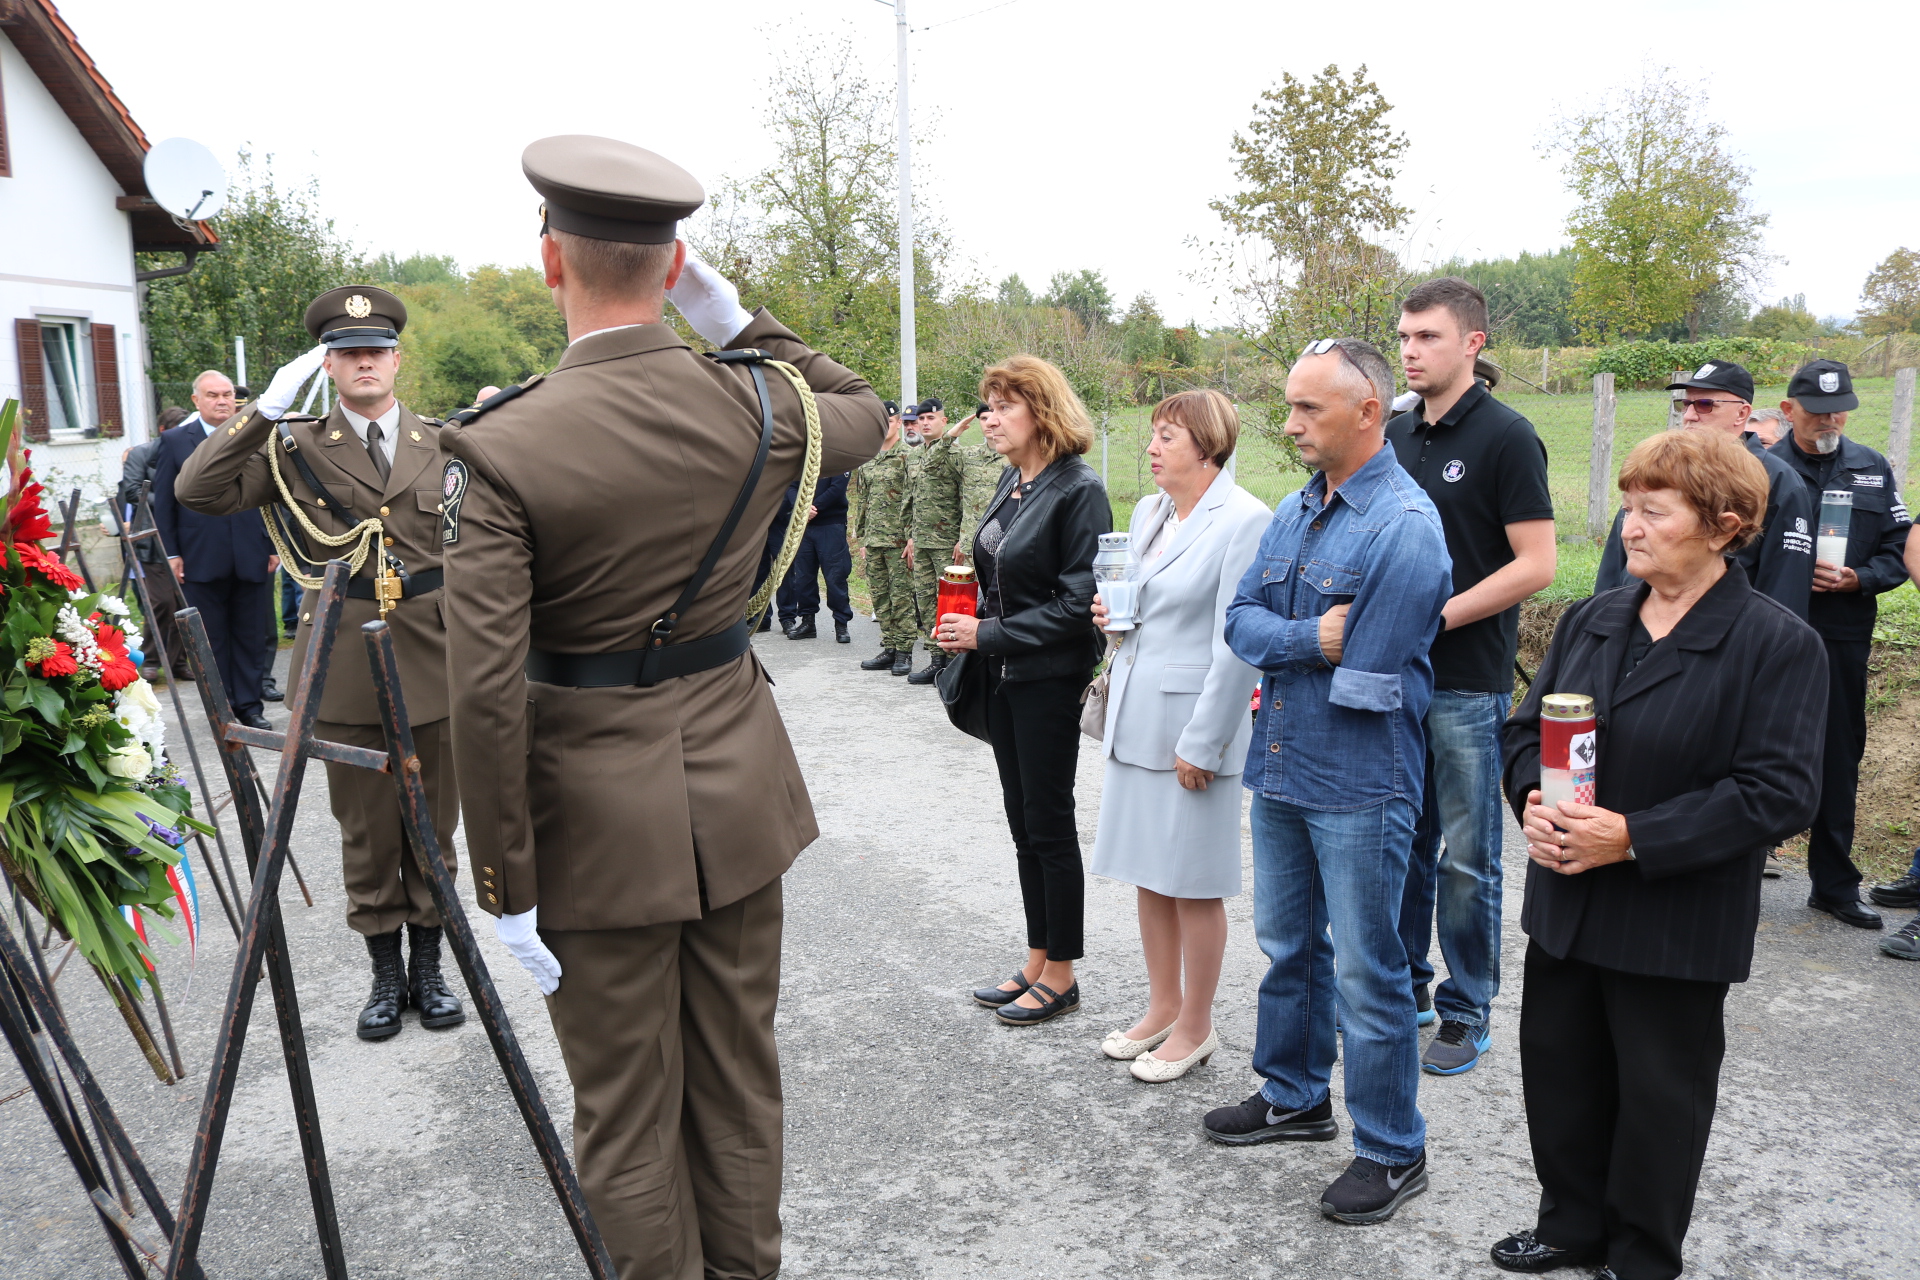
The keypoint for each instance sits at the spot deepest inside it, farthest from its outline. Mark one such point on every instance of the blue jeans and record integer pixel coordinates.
(1463, 806)
(1312, 870)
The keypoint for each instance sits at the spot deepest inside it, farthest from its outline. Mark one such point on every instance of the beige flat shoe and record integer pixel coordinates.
(1121, 1049)
(1152, 1070)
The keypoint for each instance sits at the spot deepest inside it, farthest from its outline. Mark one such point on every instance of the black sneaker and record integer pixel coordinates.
(1904, 892)
(1525, 1253)
(1255, 1121)
(1904, 942)
(1371, 1192)
(1424, 1015)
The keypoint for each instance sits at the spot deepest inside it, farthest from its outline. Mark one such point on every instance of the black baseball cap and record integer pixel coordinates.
(1823, 386)
(1718, 375)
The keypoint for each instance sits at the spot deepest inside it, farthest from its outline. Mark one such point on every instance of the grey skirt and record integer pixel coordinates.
(1158, 835)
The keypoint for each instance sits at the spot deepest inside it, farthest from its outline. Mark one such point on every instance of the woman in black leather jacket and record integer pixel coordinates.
(1034, 551)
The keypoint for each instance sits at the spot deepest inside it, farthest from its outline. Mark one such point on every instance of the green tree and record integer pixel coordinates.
(1082, 292)
(1013, 292)
(277, 253)
(421, 268)
(1788, 319)
(1890, 300)
(1662, 229)
(1529, 298)
(1316, 167)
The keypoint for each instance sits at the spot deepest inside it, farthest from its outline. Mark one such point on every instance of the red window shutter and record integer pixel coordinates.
(33, 379)
(106, 381)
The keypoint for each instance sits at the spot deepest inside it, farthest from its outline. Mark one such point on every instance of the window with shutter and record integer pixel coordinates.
(33, 378)
(106, 381)
(6, 155)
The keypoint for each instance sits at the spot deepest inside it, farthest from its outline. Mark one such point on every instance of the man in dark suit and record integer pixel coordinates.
(224, 564)
(823, 552)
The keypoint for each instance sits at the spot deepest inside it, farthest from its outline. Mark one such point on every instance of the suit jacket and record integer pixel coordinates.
(230, 474)
(1710, 748)
(229, 545)
(590, 500)
(1176, 688)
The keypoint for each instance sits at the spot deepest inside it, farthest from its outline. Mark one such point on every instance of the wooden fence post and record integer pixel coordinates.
(1675, 408)
(1900, 433)
(1544, 353)
(1600, 466)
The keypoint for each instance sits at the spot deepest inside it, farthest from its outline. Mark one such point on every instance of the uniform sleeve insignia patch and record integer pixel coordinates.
(452, 490)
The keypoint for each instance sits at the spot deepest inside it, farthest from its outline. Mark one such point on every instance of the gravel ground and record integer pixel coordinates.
(923, 1138)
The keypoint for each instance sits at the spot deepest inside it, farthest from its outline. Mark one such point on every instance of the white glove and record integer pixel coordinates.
(708, 301)
(285, 387)
(521, 935)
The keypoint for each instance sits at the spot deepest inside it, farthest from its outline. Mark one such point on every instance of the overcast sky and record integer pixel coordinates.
(1050, 134)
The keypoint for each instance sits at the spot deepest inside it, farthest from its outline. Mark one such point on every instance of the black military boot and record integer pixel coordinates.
(881, 662)
(803, 629)
(438, 1006)
(766, 621)
(931, 672)
(840, 632)
(381, 1018)
(902, 662)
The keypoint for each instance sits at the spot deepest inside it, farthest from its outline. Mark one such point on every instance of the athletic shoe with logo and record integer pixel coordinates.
(1524, 1252)
(1904, 944)
(1256, 1120)
(1371, 1192)
(1456, 1048)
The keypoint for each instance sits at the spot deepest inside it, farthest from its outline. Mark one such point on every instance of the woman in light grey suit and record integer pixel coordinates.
(1177, 729)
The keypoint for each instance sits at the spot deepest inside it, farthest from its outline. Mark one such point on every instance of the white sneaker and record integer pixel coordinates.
(1152, 1070)
(1121, 1049)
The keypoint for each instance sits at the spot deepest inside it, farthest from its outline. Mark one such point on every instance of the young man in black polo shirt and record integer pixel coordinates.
(1486, 471)
(1843, 611)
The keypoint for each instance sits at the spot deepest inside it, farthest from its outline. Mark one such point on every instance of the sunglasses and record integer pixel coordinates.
(1325, 345)
(1705, 406)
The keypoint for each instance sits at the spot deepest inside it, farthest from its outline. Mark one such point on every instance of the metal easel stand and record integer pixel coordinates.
(266, 836)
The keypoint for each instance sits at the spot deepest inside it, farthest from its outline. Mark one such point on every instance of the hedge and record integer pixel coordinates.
(1651, 364)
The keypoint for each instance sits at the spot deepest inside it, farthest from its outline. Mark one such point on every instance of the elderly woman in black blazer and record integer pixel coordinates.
(1640, 908)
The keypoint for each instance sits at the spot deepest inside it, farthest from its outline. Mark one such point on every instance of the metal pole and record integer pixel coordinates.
(909, 371)
(240, 360)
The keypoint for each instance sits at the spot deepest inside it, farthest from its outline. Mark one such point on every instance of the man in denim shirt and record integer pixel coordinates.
(1339, 612)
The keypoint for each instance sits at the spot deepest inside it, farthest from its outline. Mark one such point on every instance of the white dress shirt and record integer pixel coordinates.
(389, 423)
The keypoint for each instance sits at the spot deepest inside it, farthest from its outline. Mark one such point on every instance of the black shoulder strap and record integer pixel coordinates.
(662, 632)
(494, 401)
(292, 450)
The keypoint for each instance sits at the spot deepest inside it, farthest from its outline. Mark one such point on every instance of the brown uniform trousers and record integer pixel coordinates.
(650, 826)
(229, 473)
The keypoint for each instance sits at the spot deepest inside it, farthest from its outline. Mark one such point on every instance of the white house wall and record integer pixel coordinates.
(66, 251)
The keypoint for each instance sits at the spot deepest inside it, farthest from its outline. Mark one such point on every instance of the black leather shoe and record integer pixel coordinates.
(1052, 1005)
(255, 720)
(994, 997)
(381, 1018)
(1852, 913)
(766, 621)
(902, 662)
(270, 690)
(438, 1006)
(803, 629)
(925, 675)
(1904, 892)
(1523, 1252)
(840, 633)
(883, 661)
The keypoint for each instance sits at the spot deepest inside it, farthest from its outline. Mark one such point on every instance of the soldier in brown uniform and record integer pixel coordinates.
(630, 810)
(370, 459)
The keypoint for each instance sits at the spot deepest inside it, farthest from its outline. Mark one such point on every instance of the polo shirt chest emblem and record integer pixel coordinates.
(1452, 472)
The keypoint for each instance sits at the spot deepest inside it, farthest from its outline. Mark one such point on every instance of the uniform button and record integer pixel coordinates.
(389, 542)
(1274, 747)
(491, 898)
(487, 883)
(487, 870)
(383, 511)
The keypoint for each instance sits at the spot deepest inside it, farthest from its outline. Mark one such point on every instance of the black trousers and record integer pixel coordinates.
(1621, 1073)
(1830, 846)
(236, 616)
(1034, 726)
(822, 553)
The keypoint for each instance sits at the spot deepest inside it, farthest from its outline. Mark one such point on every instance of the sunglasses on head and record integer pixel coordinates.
(1325, 345)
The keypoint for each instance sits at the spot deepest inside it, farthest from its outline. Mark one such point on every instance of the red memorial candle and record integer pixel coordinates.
(958, 593)
(1568, 748)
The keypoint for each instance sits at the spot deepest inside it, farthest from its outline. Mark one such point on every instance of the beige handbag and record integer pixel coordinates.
(1093, 703)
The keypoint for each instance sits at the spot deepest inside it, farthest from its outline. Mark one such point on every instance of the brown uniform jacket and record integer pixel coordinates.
(229, 473)
(589, 501)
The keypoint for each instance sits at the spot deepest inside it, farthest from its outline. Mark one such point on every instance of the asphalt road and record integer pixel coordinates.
(925, 1139)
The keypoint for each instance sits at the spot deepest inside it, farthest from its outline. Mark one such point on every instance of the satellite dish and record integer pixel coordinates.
(185, 179)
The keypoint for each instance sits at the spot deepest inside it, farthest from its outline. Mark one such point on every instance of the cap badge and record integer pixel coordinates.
(1704, 371)
(1829, 382)
(358, 307)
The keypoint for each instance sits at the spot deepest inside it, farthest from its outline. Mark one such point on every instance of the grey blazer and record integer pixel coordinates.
(1175, 688)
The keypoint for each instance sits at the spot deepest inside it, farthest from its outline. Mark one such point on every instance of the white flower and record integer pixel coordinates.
(139, 695)
(86, 650)
(138, 711)
(113, 606)
(130, 762)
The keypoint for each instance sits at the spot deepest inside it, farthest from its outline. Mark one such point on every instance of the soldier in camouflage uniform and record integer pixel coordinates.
(955, 481)
(880, 495)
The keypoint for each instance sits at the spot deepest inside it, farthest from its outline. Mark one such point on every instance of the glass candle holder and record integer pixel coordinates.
(1113, 578)
(1569, 749)
(957, 592)
(1836, 520)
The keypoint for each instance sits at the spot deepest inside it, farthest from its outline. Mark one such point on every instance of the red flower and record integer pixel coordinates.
(111, 639)
(59, 663)
(28, 521)
(32, 557)
(117, 672)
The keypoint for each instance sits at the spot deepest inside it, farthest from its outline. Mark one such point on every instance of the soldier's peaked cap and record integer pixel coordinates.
(356, 315)
(609, 190)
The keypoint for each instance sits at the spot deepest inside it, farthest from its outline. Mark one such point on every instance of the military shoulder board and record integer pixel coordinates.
(493, 401)
(453, 490)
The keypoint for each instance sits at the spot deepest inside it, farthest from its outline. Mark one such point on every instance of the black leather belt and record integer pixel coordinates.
(359, 588)
(642, 667)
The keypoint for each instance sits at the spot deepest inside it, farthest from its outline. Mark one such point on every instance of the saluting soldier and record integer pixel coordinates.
(879, 528)
(370, 460)
(633, 797)
(951, 491)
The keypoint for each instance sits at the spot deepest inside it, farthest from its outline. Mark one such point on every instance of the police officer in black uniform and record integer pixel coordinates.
(1842, 610)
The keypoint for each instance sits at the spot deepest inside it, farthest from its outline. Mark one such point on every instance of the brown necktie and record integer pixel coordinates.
(375, 452)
